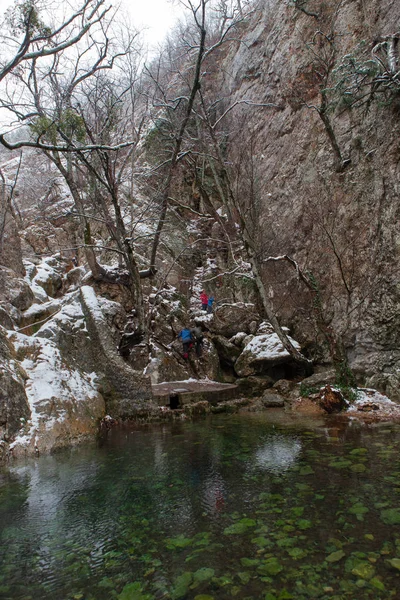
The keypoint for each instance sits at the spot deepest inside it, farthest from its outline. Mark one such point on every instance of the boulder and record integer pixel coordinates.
(331, 400)
(65, 404)
(238, 339)
(284, 387)
(67, 330)
(320, 378)
(10, 249)
(253, 386)
(32, 318)
(126, 390)
(73, 278)
(228, 319)
(15, 290)
(270, 400)
(5, 318)
(262, 353)
(227, 352)
(48, 277)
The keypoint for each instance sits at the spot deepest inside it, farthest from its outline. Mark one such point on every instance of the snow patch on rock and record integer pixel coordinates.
(54, 389)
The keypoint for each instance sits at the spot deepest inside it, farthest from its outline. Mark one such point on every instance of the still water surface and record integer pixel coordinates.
(247, 507)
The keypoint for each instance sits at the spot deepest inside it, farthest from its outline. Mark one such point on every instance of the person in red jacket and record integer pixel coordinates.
(204, 300)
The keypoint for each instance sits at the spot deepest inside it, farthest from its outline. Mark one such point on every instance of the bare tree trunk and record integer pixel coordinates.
(179, 139)
(123, 242)
(391, 54)
(3, 209)
(337, 352)
(227, 197)
(297, 356)
(340, 164)
(97, 270)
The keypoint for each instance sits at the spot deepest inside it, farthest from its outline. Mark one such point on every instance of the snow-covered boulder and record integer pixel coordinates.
(48, 277)
(238, 339)
(126, 389)
(65, 405)
(67, 330)
(73, 278)
(36, 314)
(261, 353)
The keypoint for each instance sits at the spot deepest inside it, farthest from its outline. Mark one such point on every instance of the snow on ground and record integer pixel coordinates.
(38, 291)
(36, 310)
(372, 406)
(42, 275)
(50, 386)
(69, 317)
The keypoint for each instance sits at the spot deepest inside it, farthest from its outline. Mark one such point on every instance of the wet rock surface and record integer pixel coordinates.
(270, 400)
(331, 400)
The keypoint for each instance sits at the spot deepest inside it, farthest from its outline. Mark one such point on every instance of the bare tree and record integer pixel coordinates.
(200, 41)
(26, 34)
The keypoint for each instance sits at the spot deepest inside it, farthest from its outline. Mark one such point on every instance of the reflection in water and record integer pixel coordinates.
(277, 454)
(209, 503)
(214, 494)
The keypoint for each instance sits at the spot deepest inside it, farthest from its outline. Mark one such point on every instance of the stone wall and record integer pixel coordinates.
(340, 226)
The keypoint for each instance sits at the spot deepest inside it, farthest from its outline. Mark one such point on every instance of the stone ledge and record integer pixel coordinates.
(179, 393)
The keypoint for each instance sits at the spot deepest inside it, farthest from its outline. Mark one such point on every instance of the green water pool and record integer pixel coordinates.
(252, 506)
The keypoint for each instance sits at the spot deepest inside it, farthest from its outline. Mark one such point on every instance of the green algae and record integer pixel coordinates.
(203, 574)
(359, 510)
(177, 543)
(181, 585)
(240, 527)
(335, 556)
(391, 516)
(394, 562)
(243, 532)
(134, 591)
(270, 567)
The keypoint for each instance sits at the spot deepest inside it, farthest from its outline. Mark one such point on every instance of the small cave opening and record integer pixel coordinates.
(174, 401)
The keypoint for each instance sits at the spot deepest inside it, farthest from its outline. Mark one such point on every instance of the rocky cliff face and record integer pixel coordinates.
(340, 224)
(314, 157)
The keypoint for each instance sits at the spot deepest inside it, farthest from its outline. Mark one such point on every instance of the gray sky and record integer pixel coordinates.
(155, 16)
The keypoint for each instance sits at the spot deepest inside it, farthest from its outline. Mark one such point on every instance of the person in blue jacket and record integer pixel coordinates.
(210, 304)
(185, 336)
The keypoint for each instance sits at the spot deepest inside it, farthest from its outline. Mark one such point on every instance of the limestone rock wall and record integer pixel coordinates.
(340, 226)
(14, 406)
(127, 390)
